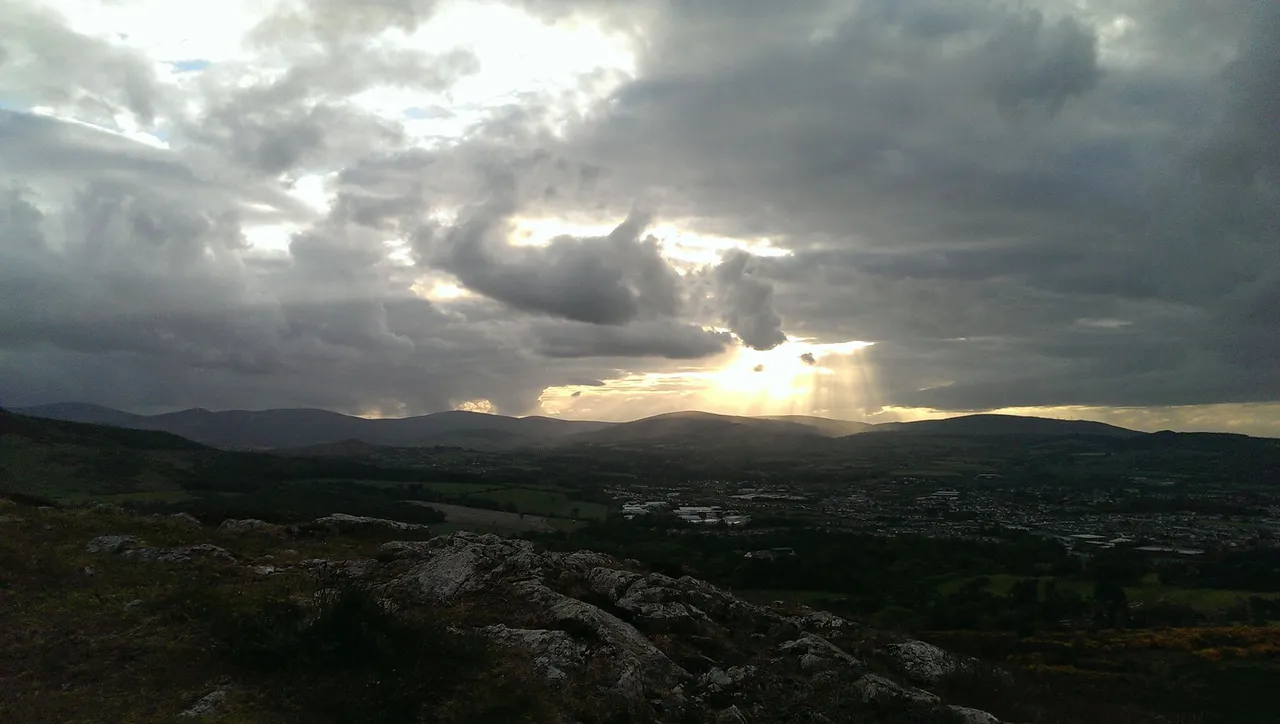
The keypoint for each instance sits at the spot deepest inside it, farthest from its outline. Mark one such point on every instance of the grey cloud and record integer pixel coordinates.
(610, 280)
(334, 22)
(57, 157)
(808, 359)
(43, 62)
(747, 302)
(1034, 63)
(302, 118)
(959, 181)
(664, 339)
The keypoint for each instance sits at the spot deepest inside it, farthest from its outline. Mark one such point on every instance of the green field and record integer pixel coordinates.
(548, 501)
(537, 501)
(1205, 600)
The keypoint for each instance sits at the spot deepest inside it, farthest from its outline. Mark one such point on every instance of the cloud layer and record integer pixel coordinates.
(1022, 205)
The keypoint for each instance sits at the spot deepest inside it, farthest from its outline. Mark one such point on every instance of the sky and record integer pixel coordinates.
(871, 210)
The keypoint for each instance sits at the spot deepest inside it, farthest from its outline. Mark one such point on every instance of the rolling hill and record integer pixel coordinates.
(273, 429)
(691, 429)
(309, 428)
(1005, 425)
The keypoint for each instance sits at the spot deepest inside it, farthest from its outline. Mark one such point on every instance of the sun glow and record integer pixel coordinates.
(798, 377)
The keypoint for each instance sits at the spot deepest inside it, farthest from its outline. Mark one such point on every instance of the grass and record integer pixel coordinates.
(1204, 600)
(100, 638)
(548, 503)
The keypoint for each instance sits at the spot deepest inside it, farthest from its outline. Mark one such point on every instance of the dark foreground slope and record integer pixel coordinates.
(110, 617)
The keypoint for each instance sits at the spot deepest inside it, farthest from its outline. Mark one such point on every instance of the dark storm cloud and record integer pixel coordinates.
(611, 280)
(641, 339)
(747, 302)
(949, 170)
(1048, 203)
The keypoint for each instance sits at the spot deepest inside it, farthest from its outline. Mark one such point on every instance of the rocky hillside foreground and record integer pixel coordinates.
(114, 617)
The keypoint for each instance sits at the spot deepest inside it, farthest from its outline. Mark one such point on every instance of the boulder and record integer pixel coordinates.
(922, 662)
(354, 568)
(461, 564)
(966, 715)
(343, 523)
(556, 654)
(250, 525)
(210, 704)
(876, 689)
(112, 544)
(184, 554)
(718, 679)
(185, 519)
(818, 654)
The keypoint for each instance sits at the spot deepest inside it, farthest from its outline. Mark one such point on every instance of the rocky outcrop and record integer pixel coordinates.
(647, 646)
(965, 715)
(112, 544)
(209, 705)
(664, 646)
(556, 654)
(185, 554)
(343, 523)
(130, 547)
(251, 525)
(923, 662)
(876, 689)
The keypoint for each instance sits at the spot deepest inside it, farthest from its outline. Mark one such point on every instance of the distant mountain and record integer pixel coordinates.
(59, 432)
(697, 428)
(825, 425)
(308, 428)
(1005, 425)
(274, 429)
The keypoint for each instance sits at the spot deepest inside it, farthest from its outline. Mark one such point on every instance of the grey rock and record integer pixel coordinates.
(821, 620)
(354, 568)
(11, 519)
(815, 653)
(732, 715)
(184, 554)
(555, 653)
(251, 525)
(112, 544)
(464, 563)
(209, 705)
(877, 689)
(343, 523)
(185, 518)
(967, 715)
(922, 662)
(718, 678)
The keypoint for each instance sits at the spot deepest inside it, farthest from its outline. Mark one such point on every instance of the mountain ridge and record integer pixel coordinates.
(289, 428)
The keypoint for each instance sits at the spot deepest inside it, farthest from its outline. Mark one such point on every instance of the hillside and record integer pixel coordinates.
(1005, 425)
(825, 425)
(283, 428)
(310, 430)
(693, 429)
(116, 617)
